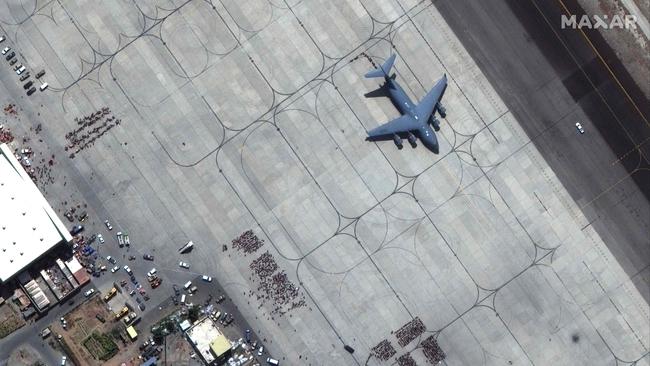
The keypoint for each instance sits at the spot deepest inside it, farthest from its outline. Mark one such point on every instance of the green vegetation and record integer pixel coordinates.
(100, 346)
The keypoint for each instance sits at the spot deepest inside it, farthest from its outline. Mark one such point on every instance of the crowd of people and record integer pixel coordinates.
(432, 350)
(264, 266)
(384, 350)
(247, 242)
(406, 360)
(85, 136)
(274, 286)
(409, 331)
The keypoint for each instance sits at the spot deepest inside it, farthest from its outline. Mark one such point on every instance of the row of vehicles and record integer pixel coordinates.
(21, 70)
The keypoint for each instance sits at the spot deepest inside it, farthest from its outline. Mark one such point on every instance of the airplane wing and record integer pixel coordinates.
(401, 124)
(428, 104)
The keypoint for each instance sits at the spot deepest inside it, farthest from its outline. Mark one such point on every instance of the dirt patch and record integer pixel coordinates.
(10, 320)
(90, 341)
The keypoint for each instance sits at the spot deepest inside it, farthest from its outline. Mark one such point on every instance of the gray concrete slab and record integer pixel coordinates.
(252, 116)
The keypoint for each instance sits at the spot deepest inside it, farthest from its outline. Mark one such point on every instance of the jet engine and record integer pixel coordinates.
(442, 111)
(434, 122)
(412, 140)
(398, 141)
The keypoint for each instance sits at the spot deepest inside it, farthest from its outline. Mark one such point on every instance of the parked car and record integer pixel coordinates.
(76, 230)
(111, 259)
(148, 257)
(128, 270)
(89, 292)
(27, 86)
(12, 62)
(141, 307)
(31, 91)
(260, 351)
(10, 55)
(5, 50)
(39, 75)
(20, 70)
(152, 272)
(115, 269)
(183, 265)
(206, 278)
(106, 222)
(24, 76)
(579, 128)
(100, 238)
(2, 38)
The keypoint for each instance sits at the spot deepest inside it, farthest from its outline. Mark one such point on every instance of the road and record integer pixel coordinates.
(550, 78)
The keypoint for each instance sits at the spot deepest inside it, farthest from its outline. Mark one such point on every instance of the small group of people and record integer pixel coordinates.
(411, 330)
(383, 350)
(5, 135)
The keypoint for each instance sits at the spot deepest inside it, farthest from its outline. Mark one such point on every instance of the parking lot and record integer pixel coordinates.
(256, 121)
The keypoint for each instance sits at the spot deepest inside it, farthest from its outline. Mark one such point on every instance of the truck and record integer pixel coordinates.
(121, 313)
(110, 294)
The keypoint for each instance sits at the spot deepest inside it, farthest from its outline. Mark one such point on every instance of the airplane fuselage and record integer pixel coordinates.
(405, 105)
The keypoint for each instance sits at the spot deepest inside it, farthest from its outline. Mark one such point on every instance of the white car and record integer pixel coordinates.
(127, 269)
(115, 269)
(579, 127)
(206, 278)
(5, 50)
(89, 292)
(64, 359)
(2, 38)
(108, 225)
(21, 70)
(183, 265)
(152, 272)
(100, 238)
(260, 351)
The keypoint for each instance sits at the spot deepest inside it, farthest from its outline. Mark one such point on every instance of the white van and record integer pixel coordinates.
(272, 361)
(183, 299)
(187, 285)
(44, 86)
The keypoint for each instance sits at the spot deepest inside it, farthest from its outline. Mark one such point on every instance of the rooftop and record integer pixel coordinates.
(202, 335)
(29, 227)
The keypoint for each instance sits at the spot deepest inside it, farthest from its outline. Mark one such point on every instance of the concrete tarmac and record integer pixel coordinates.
(551, 78)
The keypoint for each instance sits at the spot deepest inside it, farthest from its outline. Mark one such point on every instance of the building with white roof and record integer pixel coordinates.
(29, 227)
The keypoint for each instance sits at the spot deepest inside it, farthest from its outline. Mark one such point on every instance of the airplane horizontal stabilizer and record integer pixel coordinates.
(383, 70)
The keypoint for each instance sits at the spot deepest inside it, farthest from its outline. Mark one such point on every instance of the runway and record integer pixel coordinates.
(551, 78)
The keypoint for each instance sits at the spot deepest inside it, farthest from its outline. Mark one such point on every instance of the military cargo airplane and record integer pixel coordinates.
(415, 117)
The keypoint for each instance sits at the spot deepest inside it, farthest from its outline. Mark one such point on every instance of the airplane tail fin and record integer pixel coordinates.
(384, 70)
